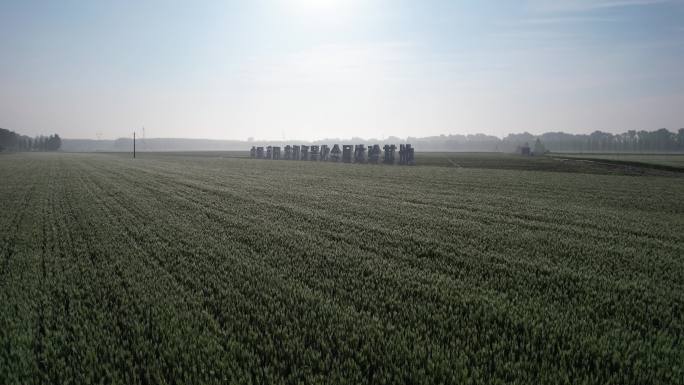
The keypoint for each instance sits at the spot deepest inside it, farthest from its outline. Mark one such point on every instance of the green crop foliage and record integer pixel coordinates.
(192, 269)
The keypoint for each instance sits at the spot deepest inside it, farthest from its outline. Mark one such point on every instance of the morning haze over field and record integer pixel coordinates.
(307, 69)
(342, 192)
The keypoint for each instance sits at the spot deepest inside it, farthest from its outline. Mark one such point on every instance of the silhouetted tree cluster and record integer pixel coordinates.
(11, 141)
(661, 140)
(477, 142)
(631, 141)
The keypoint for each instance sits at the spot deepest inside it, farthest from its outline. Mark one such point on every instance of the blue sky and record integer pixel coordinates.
(307, 69)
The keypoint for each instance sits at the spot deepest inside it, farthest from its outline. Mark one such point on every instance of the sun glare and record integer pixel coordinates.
(317, 5)
(323, 9)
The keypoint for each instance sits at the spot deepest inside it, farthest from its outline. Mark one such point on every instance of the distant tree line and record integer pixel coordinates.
(11, 141)
(661, 140)
(631, 141)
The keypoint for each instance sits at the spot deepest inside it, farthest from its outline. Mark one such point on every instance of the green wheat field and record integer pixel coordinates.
(214, 269)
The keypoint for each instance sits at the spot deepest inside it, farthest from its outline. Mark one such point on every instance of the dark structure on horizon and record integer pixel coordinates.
(325, 153)
(374, 154)
(335, 153)
(260, 153)
(315, 153)
(524, 150)
(347, 153)
(406, 155)
(359, 153)
(389, 153)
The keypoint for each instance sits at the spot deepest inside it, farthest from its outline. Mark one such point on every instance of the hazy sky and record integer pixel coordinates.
(339, 68)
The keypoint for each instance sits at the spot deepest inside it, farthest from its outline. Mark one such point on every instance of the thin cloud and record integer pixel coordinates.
(628, 3)
(592, 5)
(332, 64)
(564, 20)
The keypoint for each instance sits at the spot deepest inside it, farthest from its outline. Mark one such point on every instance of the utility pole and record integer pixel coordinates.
(133, 144)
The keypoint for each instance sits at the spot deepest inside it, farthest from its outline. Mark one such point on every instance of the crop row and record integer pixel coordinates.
(194, 270)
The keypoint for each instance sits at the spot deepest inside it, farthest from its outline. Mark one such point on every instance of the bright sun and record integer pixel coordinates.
(322, 5)
(323, 12)
(327, 8)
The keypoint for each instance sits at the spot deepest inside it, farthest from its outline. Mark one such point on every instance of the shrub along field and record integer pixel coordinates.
(592, 163)
(190, 269)
(669, 161)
